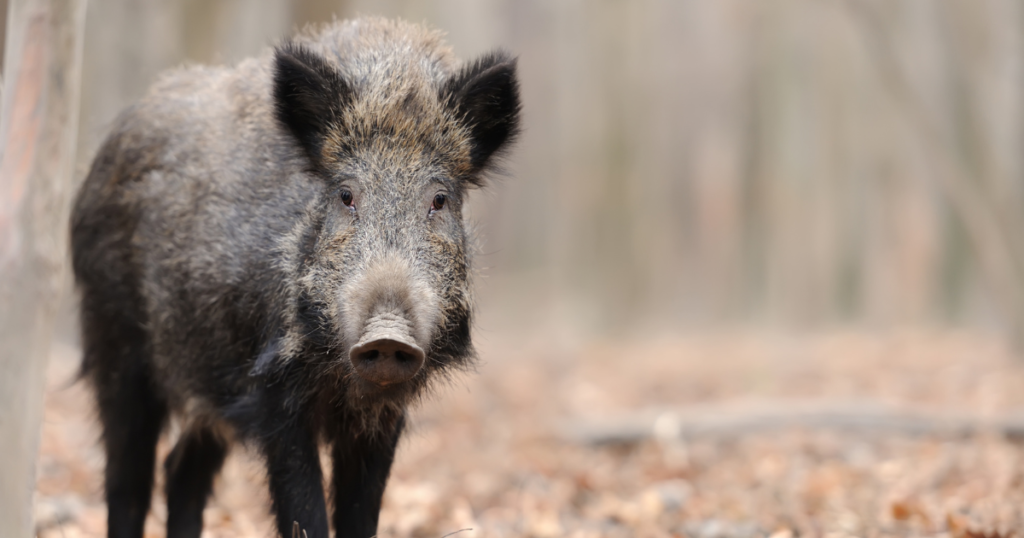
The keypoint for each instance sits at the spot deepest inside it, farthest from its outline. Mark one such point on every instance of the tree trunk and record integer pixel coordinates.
(42, 68)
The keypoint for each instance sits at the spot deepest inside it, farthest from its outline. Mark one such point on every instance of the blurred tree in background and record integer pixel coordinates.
(700, 162)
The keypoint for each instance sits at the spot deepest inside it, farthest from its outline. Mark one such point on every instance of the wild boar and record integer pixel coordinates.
(275, 253)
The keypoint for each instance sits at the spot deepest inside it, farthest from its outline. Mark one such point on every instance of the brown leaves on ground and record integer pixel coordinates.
(908, 510)
(489, 457)
(959, 527)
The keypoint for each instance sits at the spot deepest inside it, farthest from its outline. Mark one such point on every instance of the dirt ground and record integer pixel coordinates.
(554, 437)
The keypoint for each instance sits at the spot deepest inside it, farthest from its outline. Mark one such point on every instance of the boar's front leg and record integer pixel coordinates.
(361, 467)
(289, 445)
(191, 467)
(296, 483)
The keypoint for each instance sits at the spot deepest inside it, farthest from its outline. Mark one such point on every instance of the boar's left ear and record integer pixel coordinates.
(309, 96)
(485, 96)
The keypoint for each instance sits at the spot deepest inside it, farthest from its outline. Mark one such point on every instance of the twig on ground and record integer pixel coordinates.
(456, 532)
(730, 420)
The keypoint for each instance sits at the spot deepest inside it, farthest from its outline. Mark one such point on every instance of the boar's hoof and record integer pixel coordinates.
(386, 362)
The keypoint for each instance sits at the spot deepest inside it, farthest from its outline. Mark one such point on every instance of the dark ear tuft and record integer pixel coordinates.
(309, 95)
(485, 95)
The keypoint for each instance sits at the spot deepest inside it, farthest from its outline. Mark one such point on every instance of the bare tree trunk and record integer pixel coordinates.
(42, 68)
(991, 229)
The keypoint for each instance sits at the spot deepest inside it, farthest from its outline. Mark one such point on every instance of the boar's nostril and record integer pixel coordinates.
(404, 357)
(386, 362)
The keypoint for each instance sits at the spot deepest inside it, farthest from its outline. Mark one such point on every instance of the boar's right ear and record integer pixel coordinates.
(485, 96)
(309, 96)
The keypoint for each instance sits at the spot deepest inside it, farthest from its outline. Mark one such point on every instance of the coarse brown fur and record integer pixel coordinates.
(224, 279)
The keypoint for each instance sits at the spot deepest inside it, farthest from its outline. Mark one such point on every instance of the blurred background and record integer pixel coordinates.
(816, 199)
(691, 163)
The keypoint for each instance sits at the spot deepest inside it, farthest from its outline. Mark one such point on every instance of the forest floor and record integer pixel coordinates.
(716, 435)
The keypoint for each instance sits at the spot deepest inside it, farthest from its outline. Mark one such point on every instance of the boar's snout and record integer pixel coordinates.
(390, 315)
(387, 353)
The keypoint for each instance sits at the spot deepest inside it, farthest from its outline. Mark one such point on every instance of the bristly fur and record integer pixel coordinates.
(485, 95)
(308, 95)
(237, 232)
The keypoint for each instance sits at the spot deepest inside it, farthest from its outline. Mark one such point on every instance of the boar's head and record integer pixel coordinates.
(398, 138)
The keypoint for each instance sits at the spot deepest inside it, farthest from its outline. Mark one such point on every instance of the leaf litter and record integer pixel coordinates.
(492, 454)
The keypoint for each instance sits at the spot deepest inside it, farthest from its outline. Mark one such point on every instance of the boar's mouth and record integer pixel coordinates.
(387, 353)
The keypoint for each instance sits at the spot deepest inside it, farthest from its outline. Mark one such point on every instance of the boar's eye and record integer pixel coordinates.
(346, 198)
(439, 200)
